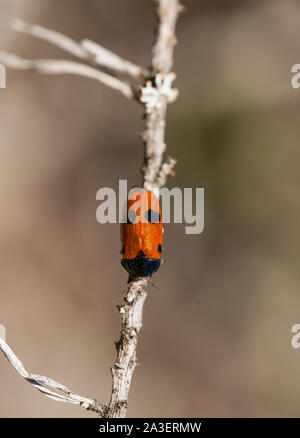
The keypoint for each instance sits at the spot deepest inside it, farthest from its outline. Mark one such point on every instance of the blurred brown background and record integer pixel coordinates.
(216, 336)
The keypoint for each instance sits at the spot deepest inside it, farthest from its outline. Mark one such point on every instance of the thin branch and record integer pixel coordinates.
(167, 13)
(57, 66)
(122, 371)
(57, 39)
(104, 57)
(62, 394)
(87, 49)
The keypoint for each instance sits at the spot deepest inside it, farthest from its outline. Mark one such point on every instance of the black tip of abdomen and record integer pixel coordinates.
(140, 266)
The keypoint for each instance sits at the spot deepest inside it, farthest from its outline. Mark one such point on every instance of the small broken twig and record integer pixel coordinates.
(62, 394)
(57, 66)
(87, 50)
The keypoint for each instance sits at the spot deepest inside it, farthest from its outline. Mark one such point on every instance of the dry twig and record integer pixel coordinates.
(156, 93)
(57, 66)
(62, 394)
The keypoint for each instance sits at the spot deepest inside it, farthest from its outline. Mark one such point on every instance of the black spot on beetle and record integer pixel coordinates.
(152, 217)
(159, 248)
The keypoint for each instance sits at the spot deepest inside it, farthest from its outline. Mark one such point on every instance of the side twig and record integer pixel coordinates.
(57, 39)
(62, 394)
(122, 371)
(57, 66)
(87, 50)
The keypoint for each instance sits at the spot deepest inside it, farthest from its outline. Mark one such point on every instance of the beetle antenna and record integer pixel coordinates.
(152, 283)
(130, 279)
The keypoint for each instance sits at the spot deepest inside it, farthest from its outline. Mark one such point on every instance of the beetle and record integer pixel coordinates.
(142, 234)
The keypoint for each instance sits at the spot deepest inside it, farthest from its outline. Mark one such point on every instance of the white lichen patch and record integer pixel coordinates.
(151, 95)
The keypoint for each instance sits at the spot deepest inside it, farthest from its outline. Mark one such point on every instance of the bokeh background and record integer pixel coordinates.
(216, 336)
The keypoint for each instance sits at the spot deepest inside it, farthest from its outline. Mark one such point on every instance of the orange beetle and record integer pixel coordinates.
(142, 234)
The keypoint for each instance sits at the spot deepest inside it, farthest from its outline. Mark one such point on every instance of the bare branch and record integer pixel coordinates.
(62, 394)
(104, 57)
(57, 66)
(122, 371)
(87, 49)
(57, 39)
(167, 13)
(166, 170)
